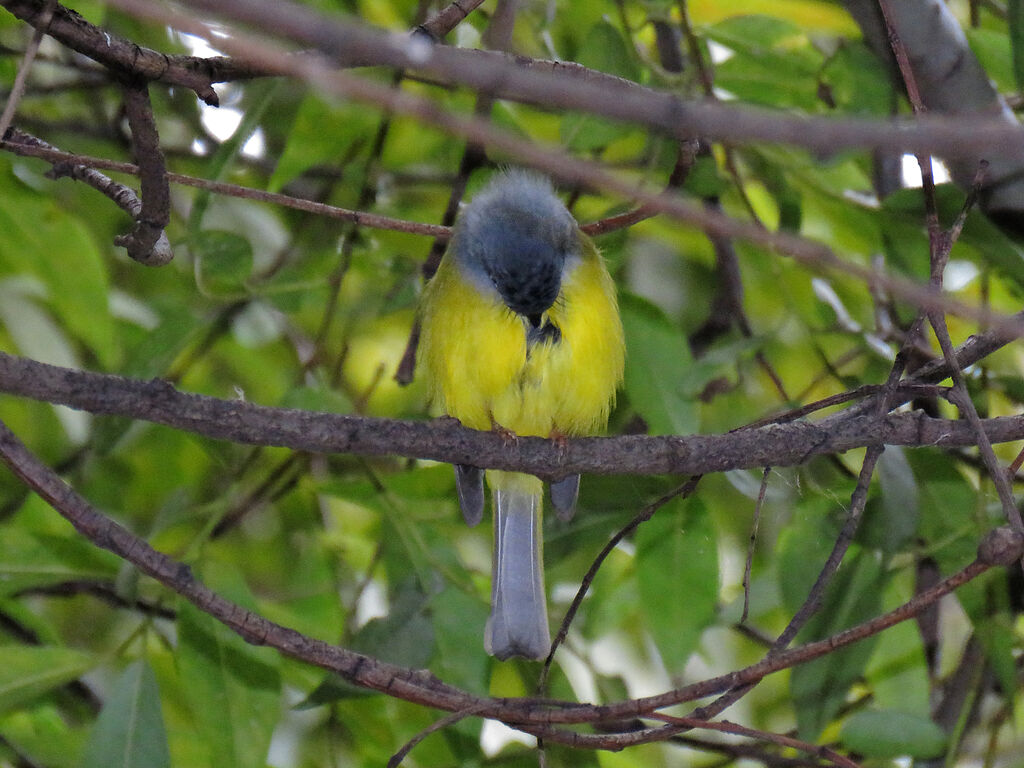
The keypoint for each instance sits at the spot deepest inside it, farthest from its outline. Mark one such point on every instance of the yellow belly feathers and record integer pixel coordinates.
(483, 373)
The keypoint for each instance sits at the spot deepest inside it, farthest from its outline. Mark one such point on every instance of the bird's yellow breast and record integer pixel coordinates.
(482, 371)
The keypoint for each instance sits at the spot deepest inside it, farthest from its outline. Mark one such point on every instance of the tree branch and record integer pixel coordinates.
(146, 243)
(446, 440)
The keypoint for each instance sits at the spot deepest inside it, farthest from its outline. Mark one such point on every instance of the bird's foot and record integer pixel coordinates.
(510, 437)
(560, 439)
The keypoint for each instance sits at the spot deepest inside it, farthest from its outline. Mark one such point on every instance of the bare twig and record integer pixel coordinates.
(146, 243)
(451, 719)
(18, 89)
(753, 544)
(724, 726)
(22, 144)
(123, 196)
(682, 492)
(102, 591)
(449, 17)
(569, 86)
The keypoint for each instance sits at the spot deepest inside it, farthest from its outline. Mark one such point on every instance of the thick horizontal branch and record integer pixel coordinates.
(446, 440)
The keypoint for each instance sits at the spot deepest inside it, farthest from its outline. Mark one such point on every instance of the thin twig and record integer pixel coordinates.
(18, 89)
(439, 725)
(359, 217)
(753, 544)
(103, 591)
(682, 492)
(449, 17)
(725, 726)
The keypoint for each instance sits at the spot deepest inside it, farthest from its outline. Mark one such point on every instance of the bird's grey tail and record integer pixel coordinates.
(518, 625)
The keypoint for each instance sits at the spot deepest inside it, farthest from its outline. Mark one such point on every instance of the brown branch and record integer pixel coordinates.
(552, 160)
(450, 719)
(752, 545)
(550, 84)
(724, 726)
(752, 752)
(115, 52)
(905, 389)
(814, 255)
(1000, 548)
(449, 17)
(445, 440)
(146, 243)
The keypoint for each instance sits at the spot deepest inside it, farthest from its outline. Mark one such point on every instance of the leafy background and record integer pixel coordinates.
(101, 667)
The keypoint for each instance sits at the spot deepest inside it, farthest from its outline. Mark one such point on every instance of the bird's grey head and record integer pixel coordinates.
(516, 236)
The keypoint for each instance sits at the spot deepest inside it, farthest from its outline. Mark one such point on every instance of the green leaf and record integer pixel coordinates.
(130, 730)
(1015, 12)
(233, 689)
(890, 733)
(39, 238)
(997, 54)
(32, 560)
(898, 672)
(322, 133)
(43, 736)
(819, 688)
(857, 80)
(891, 521)
(605, 50)
(28, 672)
(803, 548)
(404, 637)
(223, 262)
(459, 618)
(658, 369)
(773, 62)
(585, 133)
(704, 180)
(677, 570)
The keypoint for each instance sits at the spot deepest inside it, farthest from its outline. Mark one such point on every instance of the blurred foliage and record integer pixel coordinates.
(285, 308)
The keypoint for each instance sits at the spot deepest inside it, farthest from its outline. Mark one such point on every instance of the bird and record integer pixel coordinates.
(520, 334)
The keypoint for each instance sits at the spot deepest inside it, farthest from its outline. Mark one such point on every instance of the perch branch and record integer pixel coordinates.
(446, 440)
